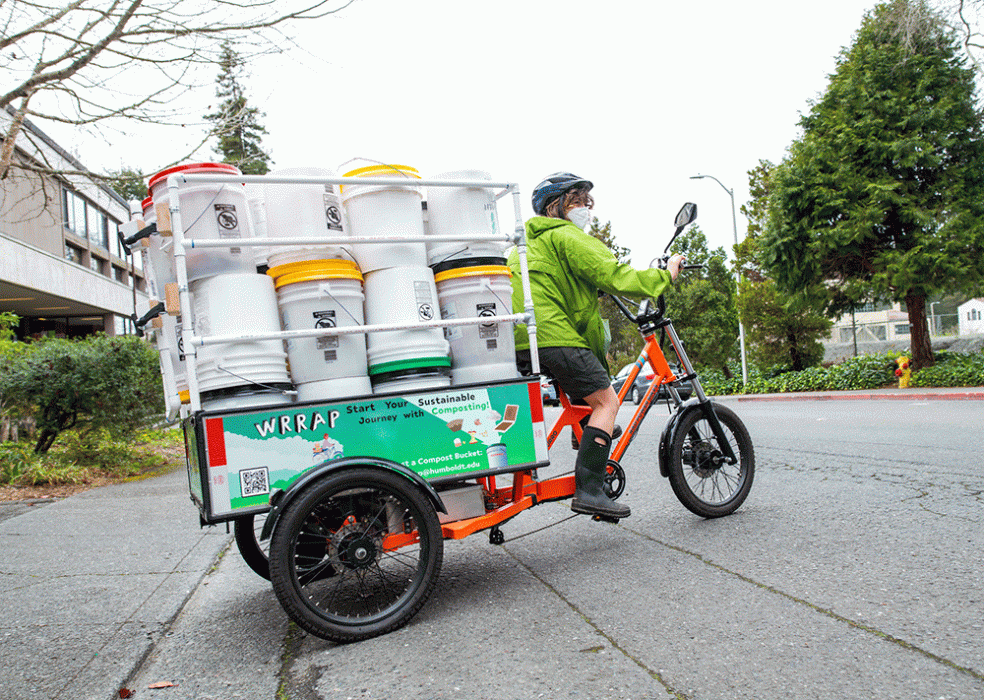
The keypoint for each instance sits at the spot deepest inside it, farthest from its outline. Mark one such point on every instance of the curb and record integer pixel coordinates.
(957, 396)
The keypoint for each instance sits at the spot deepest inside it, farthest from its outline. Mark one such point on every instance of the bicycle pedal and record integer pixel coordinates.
(605, 519)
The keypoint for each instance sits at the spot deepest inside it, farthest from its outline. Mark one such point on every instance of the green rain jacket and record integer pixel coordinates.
(567, 269)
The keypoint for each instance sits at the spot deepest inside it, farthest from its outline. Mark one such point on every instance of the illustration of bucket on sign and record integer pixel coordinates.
(323, 294)
(303, 211)
(253, 370)
(498, 458)
(485, 352)
(208, 210)
(376, 211)
(468, 211)
(410, 358)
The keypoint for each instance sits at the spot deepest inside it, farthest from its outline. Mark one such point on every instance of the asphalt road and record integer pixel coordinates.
(852, 571)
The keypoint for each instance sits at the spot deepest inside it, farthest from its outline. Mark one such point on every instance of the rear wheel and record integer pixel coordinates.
(700, 474)
(356, 555)
(254, 552)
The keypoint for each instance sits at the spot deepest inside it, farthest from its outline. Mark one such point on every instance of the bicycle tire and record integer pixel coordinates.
(356, 555)
(247, 530)
(698, 474)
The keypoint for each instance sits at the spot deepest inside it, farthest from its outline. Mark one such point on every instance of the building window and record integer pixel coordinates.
(73, 208)
(974, 315)
(95, 264)
(74, 253)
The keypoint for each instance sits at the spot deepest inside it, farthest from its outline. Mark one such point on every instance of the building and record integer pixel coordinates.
(971, 317)
(62, 269)
(872, 322)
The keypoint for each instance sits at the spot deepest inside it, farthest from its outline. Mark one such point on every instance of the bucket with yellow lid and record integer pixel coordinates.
(323, 294)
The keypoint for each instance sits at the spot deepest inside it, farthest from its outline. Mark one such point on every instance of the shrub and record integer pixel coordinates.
(100, 382)
(952, 369)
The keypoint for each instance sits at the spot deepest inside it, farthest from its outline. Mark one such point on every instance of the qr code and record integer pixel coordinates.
(254, 482)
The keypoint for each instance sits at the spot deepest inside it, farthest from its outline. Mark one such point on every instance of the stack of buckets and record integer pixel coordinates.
(399, 286)
(161, 274)
(472, 279)
(328, 286)
(227, 295)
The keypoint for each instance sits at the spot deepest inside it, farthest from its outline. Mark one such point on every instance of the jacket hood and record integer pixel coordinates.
(541, 224)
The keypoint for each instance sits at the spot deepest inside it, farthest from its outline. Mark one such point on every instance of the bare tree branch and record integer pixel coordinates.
(72, 62)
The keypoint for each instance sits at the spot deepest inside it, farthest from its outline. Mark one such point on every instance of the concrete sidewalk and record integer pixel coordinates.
(92, 582)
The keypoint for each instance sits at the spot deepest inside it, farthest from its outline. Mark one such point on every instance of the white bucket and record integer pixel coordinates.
(159, 260)
(485, 352)
(375, 211)
(303, 210)
(469, 211)
(243, 397)
(323, 294)
(403, 295)
(210, 210)
(343, 387)
(411, 380)
(235, 304)
(258, 225)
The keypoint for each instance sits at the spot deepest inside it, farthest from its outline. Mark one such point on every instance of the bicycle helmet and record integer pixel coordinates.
(556, 185)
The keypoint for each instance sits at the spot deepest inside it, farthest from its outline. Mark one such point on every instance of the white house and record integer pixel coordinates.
(61, 266)
(971, 317)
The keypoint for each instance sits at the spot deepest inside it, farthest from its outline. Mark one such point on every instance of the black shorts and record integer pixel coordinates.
(577, 371)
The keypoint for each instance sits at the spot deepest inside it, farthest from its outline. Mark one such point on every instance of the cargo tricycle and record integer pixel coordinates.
(344, 504)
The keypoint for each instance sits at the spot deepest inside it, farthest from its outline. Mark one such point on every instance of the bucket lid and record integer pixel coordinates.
(297, 265)
(473, 271)
(382, 171)
(189, 168)
(409, 364)
(312, 270)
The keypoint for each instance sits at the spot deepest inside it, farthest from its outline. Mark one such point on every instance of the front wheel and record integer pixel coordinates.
(699, 472)
(356, 555)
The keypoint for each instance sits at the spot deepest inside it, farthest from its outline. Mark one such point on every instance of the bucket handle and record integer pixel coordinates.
(341, 166)
(326, 290)
(283, 392)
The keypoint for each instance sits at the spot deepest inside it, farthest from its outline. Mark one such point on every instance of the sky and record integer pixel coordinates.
(635, 96)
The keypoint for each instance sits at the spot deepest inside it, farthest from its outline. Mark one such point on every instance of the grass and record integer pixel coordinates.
(79, 461)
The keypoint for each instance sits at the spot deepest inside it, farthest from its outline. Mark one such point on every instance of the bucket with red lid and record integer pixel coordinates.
(208, 210)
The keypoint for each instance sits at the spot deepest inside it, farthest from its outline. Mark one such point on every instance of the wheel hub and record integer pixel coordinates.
(353, 548)
(705, 459)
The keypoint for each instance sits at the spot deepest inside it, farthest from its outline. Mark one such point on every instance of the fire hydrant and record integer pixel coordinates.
(903, 372)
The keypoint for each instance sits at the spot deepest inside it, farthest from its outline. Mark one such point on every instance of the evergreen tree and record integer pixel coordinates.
(702, 303)
(781, 331)
(236, 124)
(626, 341)
(128, 183)
(883, 195)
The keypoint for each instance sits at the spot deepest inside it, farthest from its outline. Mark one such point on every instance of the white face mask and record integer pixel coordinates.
(580, 217)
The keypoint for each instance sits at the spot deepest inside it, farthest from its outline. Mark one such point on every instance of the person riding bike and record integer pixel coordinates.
(567, 270)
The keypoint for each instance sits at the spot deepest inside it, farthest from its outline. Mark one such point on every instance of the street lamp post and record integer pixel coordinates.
(734, 223)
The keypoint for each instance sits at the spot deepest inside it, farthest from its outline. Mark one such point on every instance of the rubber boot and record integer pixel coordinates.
(584, 422)
(589, 477)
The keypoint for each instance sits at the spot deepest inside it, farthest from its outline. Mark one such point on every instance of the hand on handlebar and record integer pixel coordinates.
(674, 264)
